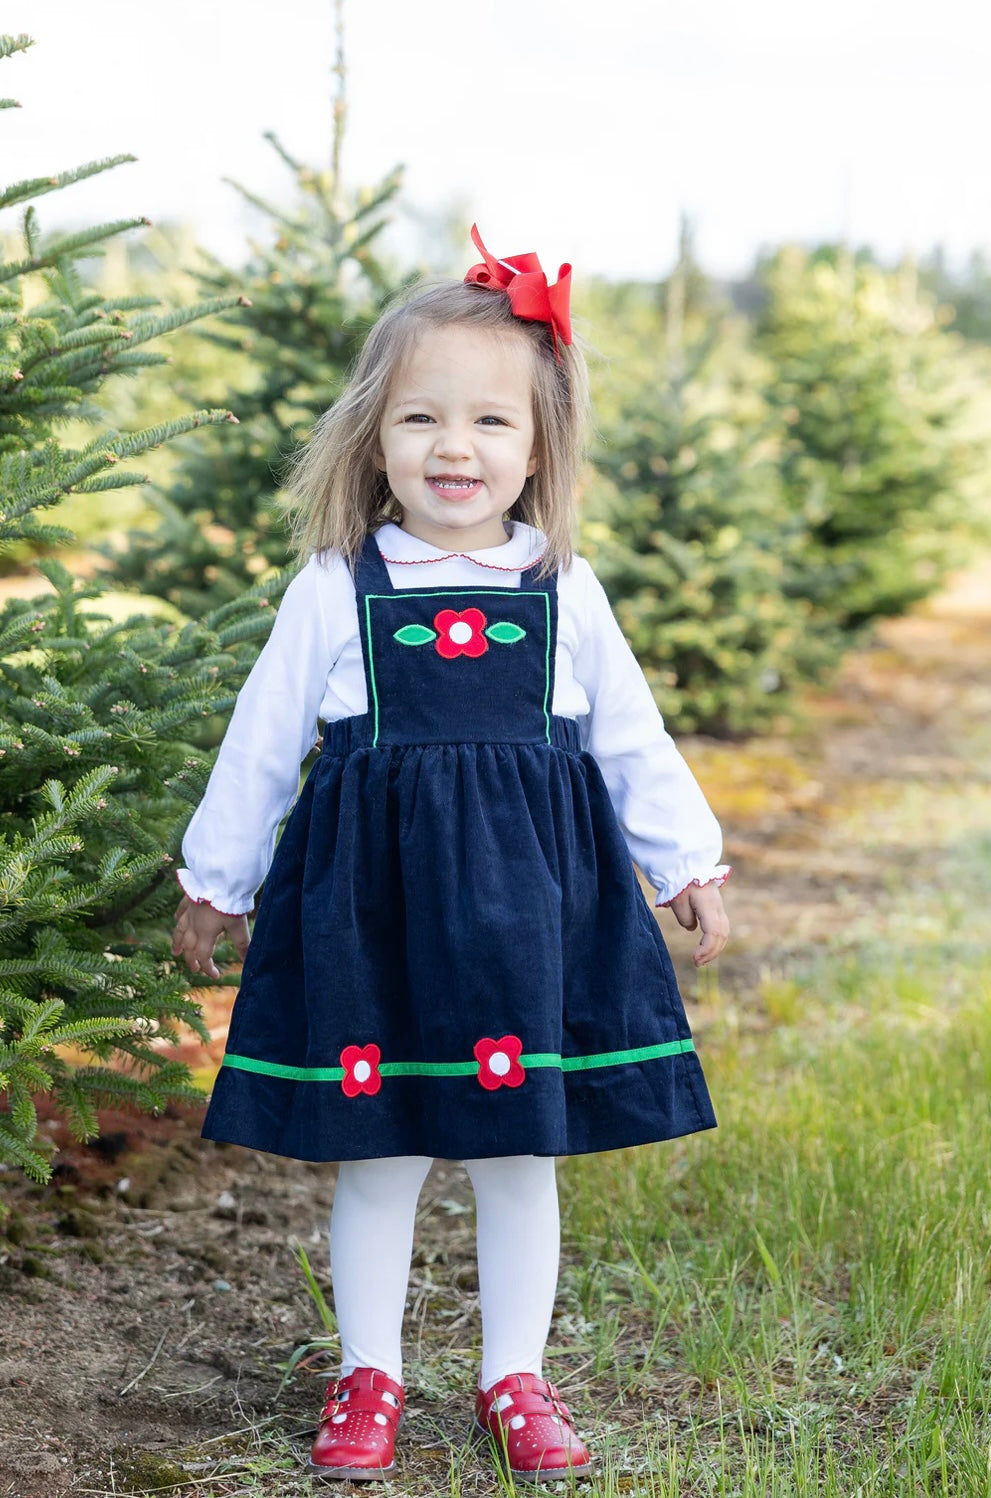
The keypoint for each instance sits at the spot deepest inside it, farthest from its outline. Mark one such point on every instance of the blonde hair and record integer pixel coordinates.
(337, 495)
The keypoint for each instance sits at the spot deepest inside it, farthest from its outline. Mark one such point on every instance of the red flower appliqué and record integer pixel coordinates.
(499, 1062)
(361, 1069)
(460, 634)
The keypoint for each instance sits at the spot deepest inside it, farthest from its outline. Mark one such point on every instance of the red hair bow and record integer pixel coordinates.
(521, 277)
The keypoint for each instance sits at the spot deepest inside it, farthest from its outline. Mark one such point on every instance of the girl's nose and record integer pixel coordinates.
(453, 442)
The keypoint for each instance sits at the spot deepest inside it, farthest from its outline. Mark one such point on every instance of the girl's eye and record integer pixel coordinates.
(420, 416)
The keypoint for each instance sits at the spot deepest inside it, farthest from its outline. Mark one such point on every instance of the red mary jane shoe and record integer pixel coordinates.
(532, 1428)
(358, 1423)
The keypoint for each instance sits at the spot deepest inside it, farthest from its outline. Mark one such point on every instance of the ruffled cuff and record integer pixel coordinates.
(719, 876)
(189, 886)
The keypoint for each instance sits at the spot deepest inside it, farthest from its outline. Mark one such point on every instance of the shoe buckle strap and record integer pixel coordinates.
(557, 1403)
(365, 1402)
(508, 1402)
(331, 1406)
(376, 1391)
(384, 1386)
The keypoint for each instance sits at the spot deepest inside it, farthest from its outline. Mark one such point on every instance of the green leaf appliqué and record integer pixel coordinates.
(415, 634)
(505, 632)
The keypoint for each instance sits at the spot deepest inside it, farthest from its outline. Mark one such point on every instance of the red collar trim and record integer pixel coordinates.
(450, 555)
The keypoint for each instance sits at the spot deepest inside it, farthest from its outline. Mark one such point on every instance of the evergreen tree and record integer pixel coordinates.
(314, 293)
(685, 524)
(875, 468)
(968, 291)
(102, 723)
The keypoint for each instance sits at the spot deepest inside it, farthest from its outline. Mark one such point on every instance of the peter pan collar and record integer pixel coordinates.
(525, 546)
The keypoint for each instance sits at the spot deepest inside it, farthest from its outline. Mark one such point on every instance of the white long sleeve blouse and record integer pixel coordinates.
(311, 668)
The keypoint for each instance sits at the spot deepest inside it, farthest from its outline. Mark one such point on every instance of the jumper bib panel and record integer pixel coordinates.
(464, 665)
(452, 955)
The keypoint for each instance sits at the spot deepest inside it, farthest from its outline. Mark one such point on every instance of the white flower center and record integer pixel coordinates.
(461, 633)
(362, 1071)
(499, 1063)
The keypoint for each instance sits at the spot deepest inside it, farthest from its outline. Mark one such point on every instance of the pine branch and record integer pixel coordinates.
(11, 44)
(72, 244)
(14, 1150)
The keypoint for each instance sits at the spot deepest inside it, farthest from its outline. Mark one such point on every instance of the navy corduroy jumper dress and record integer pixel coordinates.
(452, 955)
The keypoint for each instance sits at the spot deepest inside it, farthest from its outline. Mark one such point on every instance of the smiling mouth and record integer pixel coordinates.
(453, 483)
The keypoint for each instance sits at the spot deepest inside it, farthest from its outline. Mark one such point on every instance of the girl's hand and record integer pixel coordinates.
(198, 928)
(703, 907)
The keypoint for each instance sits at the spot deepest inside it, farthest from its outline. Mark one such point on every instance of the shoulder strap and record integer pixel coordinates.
(371, 574)
(530, 583)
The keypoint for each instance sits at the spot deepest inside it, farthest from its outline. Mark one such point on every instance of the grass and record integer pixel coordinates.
(803, 1296)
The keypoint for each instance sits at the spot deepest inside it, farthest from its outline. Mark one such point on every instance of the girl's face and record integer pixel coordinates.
(457, 436)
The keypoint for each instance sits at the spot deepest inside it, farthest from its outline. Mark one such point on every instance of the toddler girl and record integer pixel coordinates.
(452, 956)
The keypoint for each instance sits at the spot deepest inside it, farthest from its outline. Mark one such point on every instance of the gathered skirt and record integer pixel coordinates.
(453, 957)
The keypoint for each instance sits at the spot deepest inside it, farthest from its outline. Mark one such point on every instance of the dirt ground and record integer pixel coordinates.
(149, 1295)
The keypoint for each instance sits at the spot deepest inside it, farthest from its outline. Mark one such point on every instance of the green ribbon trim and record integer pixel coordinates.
(610, 1058)
(428, 1068)
(534, 1060)
(289, 1073)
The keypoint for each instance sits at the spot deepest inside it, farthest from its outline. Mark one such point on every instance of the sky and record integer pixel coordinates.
(583, 132)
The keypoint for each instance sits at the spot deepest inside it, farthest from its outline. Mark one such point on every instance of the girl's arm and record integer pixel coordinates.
(230, 841)
(669, 827)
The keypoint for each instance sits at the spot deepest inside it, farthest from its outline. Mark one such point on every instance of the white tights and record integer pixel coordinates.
(371, 1239)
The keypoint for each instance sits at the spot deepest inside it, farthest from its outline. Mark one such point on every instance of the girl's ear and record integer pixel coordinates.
(531, 466)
